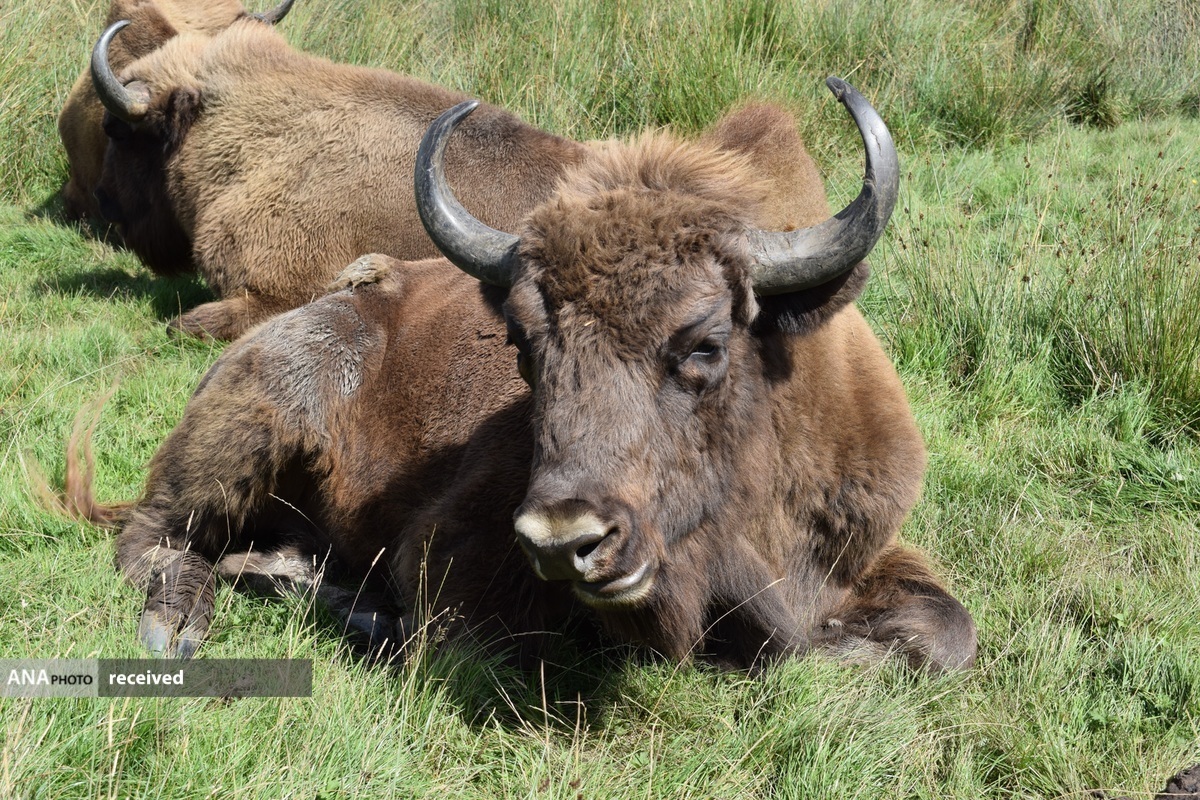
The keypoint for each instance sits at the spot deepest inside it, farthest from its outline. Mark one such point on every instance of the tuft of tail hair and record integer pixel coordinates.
(77, 500)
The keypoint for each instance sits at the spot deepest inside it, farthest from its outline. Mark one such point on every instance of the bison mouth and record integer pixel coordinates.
(626, 590)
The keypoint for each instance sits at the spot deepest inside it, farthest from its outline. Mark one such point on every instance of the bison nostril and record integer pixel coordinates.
(587, 548)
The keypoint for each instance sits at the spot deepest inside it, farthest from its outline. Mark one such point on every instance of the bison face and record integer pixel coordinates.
(630, 316)
(631, 298)
(132, 194)
(146, 122)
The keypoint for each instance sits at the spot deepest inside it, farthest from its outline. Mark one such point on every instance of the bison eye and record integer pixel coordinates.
(702, 364)
(706, 354)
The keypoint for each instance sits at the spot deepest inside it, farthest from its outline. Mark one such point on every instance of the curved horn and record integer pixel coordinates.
(473, 247)
(275, 14)
(795, 260)
(124, 103)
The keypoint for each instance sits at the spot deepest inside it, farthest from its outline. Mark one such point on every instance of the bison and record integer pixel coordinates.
(276, 168)
(702, 443)
(80, 122)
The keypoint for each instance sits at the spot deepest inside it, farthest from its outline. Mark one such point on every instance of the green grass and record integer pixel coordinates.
(1038, 290)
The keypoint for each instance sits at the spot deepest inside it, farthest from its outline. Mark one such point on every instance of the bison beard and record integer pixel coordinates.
(704, 473)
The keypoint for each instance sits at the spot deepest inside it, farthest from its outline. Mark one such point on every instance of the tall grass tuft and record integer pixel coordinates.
(974, 74)
(1079, 254)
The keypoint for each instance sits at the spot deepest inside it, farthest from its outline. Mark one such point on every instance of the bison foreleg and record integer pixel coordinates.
(367, 618)
(755, 623)
(287, 570)
(210, 487)
(899, 607)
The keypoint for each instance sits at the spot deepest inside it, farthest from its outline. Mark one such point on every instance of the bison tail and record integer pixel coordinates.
(77, 500)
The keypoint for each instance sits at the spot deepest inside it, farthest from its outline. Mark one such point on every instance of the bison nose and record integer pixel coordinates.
(561, 541)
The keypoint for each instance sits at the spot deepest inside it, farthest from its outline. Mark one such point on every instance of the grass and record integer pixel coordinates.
(1037, 290)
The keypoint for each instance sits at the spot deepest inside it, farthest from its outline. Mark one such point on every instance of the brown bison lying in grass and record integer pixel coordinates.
(274, 169)
(701, 442)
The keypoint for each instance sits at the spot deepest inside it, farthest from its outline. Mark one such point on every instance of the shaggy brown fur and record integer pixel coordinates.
(279, 168)
(751, 464)
(80, 122)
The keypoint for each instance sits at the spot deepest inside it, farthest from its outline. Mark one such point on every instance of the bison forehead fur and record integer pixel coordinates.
(636, 230)
(700, 477)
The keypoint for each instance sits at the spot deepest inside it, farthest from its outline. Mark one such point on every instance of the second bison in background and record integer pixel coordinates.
(706, 447)
(279, 168)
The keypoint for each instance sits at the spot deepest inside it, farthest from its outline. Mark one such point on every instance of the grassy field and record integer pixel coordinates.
(1039, 290)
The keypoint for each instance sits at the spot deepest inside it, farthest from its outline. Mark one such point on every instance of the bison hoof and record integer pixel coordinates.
(366, 619)
(161, 636)
(379, 636)
(373, 628)
(179, 607)
(365, 269)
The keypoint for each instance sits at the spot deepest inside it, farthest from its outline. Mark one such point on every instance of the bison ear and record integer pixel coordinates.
(179, 111)
(802, 312)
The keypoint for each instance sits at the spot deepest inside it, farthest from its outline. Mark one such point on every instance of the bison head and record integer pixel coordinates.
(80, 122)
(146, 120)
(646, 309)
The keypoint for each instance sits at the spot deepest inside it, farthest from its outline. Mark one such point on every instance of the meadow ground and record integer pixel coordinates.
(1038, 289)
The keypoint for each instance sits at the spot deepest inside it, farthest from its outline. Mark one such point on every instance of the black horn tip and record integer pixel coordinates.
(795, 260)
(433, 143)
(100, 49)
(846, 94)
(116, 28)
(456, 114)
(837, 86)
(437, 136)
(276, 14)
